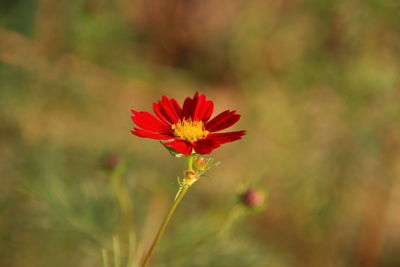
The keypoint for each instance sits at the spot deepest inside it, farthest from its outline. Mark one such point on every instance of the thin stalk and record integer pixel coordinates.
(190, 162)
(117, 252)
(132, 250)
(181, 193)
(164, 225)
(105, 257)
(234, 215)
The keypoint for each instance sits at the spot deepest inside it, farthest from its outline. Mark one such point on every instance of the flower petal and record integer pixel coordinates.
(180, 146)
(203, 109)
(222, 121)
(149, 122)
(206, 111)
(189, 105)
(205, 146)
(146, 134)
(222, 138)
(198, 108)
(157, 111)
(177, 108)
(168, 110)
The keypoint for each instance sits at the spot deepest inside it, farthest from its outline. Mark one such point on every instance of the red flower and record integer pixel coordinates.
(188, 128)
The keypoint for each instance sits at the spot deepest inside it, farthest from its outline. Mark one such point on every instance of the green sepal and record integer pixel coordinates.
(172, 151)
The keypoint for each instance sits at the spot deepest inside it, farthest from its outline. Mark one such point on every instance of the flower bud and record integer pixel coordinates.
(253, 198)
(200, 163)
(111, 162)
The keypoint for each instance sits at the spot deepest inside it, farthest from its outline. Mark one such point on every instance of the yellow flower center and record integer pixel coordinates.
(189, 130)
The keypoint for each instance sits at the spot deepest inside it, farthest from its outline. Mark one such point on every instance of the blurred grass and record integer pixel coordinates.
(317, 85)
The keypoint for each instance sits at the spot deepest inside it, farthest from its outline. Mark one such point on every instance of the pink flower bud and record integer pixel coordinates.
(111, 162)
(253, 198)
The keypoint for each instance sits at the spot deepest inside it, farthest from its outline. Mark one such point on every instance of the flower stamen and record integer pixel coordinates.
(189, 130)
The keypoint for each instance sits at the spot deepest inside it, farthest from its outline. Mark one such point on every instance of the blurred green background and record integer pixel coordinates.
(317, 84)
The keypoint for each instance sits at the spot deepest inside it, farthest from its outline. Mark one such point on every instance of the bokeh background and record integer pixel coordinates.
(317, 84)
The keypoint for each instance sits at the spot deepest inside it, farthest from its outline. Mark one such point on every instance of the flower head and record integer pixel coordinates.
(187, 129)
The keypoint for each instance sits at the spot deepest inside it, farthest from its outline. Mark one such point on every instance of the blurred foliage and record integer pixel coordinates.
(317, 84)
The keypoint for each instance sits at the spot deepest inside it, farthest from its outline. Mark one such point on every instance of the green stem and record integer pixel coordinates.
(105, 257)
(233, 217)
(164, 225)
(190, 162)
(117, 252)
